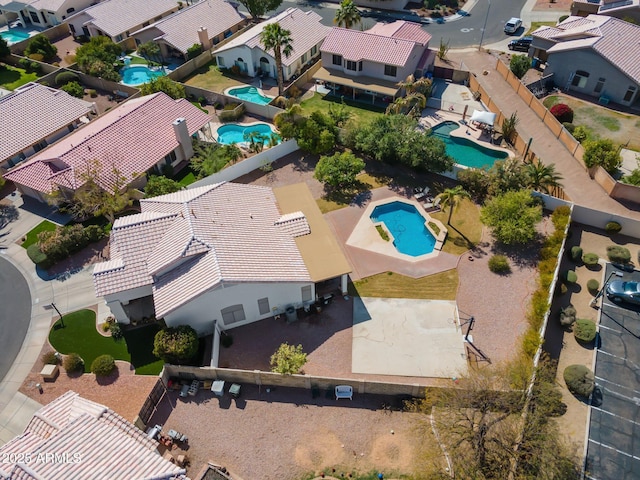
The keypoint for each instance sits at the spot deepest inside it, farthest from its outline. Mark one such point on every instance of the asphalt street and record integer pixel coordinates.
(15, 313)
(613, 451)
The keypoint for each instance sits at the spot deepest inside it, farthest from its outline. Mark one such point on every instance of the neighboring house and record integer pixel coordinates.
(372, 62)
(40, 13)
(622, 9)
(34, 116)
(220, 256)
(206, 23)
(597, 56)
(247, 54)
(118, 19)
(73, 437)
(144, 134)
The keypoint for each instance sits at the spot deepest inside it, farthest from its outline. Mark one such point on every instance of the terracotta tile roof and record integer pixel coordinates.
(209, 235)
(615, 40)
(115, 17)
(33, 112)
(132, 138)
(84, 431)
(305, 27)
(388, 44)
(181, 28)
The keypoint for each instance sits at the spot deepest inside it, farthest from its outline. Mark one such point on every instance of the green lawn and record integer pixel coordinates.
(441, 286)
(537, 25)
(14, 77)
(32, 236)
(338, 200)
(185, 177)
(361, 112)
(210, 77)
(80, 336)
(465, 229)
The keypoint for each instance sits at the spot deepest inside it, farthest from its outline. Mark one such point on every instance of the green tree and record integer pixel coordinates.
(411, 105)
(509, 125)
(519, 65)
(5, 51)
(541, 177)
(507, 176)
(74, 89)
(257, 8)
(97, 56)
(41, 45)
(316, 134)
(347, 15)
(422, 85)
(276, 38)
(210, 158)
(163, 84)
(452, 197)
(476, 181)
(603, 153)
(149, 50)
(160, 185)
(176, 344)
(443, 49)
(288, 359)
(339, 170)
(194, 50)
(512, 216)
(339, 114)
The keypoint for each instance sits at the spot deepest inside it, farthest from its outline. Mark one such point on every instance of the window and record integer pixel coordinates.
(263, 306)
(170, 158)
(72, 28)
(599, 85)
(360, 66)
(34, 17)
(118, 38)
(629, 95)
(233, 314)
(304, 58)
(306, 293)
(580, 79)
(314, 50)
(145, 24)
(351, 65)
(40, 145)
(221, 62)
(337, 60)
(70, 10)
(390, 70)
(159, 17)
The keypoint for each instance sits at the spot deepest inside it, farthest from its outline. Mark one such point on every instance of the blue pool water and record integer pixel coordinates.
(465, 152)
(249, 94)
(139, 74)
(234, 133)
(14, 37)
(410, 234)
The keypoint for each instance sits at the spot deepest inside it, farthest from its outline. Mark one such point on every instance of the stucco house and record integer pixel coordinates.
(73, 437)
(34, 116)
(247, 53)
(220, 256)
(595, 55)
(40, 13)
(622, 9)
(142, 135)
(372, 62)
(205, 23)
(118, 19)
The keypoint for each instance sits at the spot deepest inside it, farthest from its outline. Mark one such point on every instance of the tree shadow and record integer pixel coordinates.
(523, 256)
(8, 214)
(109, 379)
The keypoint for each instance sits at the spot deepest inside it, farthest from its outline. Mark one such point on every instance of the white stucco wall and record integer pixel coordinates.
(201, 312)
(116, 300)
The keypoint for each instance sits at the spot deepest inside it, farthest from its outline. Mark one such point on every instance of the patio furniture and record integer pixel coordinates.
(420, 192)
(344, 391)
(193, 388)
(184, 391)
(218, 388)
(432, 206)
(234, 390)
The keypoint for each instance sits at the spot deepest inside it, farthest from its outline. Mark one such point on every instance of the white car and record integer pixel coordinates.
(512, 25)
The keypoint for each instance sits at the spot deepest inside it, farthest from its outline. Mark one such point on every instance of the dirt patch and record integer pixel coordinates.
(552, 5)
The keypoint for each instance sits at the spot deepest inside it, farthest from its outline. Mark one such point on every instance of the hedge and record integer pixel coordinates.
(584, 330)
(60, 243)
(618, 254)
(579, 379)
(568, 316)
(65, 77)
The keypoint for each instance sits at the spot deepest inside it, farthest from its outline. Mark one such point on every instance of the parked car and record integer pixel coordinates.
(512, 25)
(521, 44)
(620, 291)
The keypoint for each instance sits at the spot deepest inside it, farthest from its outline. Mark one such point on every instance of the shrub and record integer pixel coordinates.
(65, 77)
(50, 358)
(42, 45)
(73, 363)
(519, 65)
(602, 153)
(562, 112)
(618, 254)
(569, 126)
(580, 133)
(116, 331)
(92, 93)
(579, 379)
(226, 340)
(570, 276)
(499, 264)
(103, 365)
(64, 241)
(106, 327)
(38, 57)
(612, 228)
(561, 288)
(576, 254)
(567, 316)
(593, 286)
(288, 359)
(176, 344)
(36, 256)
(194, 50)
(590, 259)
(74, 89)
(560, 217)
(584, 330)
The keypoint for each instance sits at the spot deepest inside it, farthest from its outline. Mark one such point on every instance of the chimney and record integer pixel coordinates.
(182, 135)
(203, 37)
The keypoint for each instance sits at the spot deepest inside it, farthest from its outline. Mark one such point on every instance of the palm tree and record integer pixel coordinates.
(509, 125)
(542, 178)
(451, 197)
(347, 15)
(276, 38)
(290, 114)
(411, 105)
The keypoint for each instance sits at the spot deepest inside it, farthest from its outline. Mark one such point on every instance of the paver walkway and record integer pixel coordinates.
(576, 181)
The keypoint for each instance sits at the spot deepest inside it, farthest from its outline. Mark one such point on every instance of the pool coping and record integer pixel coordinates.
(366, 237)
(260, 91)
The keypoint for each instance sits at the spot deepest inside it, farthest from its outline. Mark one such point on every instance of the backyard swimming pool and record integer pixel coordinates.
(249, 94)
(407, 225)
(234, 133)
(139, 74)
(12, 36)
(466, 152)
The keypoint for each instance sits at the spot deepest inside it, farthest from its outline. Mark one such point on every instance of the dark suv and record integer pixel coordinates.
(520, 44)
